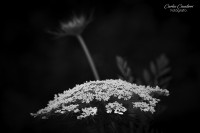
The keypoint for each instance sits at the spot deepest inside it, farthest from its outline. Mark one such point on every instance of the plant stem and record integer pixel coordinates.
(91, 62)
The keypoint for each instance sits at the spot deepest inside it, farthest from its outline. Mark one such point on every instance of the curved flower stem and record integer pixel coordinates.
(91, 62)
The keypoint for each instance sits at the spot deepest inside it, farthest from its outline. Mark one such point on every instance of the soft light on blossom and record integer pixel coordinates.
(87, 112)
(144, 106)
(117, 107)
(116, 96)
(73, 27)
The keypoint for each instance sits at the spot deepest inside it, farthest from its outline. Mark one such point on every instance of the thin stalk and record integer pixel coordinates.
(89, 57)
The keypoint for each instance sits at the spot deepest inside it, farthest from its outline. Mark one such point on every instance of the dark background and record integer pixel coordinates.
(35, 65)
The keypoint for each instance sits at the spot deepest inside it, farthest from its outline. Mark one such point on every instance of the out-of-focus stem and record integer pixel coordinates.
(91, 62)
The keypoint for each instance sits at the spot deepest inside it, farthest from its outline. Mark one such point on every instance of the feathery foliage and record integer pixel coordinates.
(158, 72)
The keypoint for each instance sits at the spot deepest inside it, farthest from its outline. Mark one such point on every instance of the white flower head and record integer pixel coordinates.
(87, 112)
(116, 95)
(117, 107)
(76, 22)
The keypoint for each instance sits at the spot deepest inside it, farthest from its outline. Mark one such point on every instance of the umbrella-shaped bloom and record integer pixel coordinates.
(73, 27)
(116, 96)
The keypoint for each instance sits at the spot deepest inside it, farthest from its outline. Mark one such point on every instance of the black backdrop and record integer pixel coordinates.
(35, 65)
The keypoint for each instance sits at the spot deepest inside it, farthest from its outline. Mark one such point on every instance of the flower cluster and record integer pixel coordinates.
(144, 106)
(117, 107)
(87, 112)
(115, 94)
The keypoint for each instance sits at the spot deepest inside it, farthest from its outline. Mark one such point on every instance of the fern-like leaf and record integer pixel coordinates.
(153, 68)
(163, 70)
(146, 76)
(124, 69)
(162, 62)
(156, 75)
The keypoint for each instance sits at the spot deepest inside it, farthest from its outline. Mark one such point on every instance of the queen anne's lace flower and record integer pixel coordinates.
(87, 112)
(115, 94)
(117, 107)
(144, 106)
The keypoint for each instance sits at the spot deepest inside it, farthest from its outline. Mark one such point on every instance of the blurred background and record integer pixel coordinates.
(35, 65)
